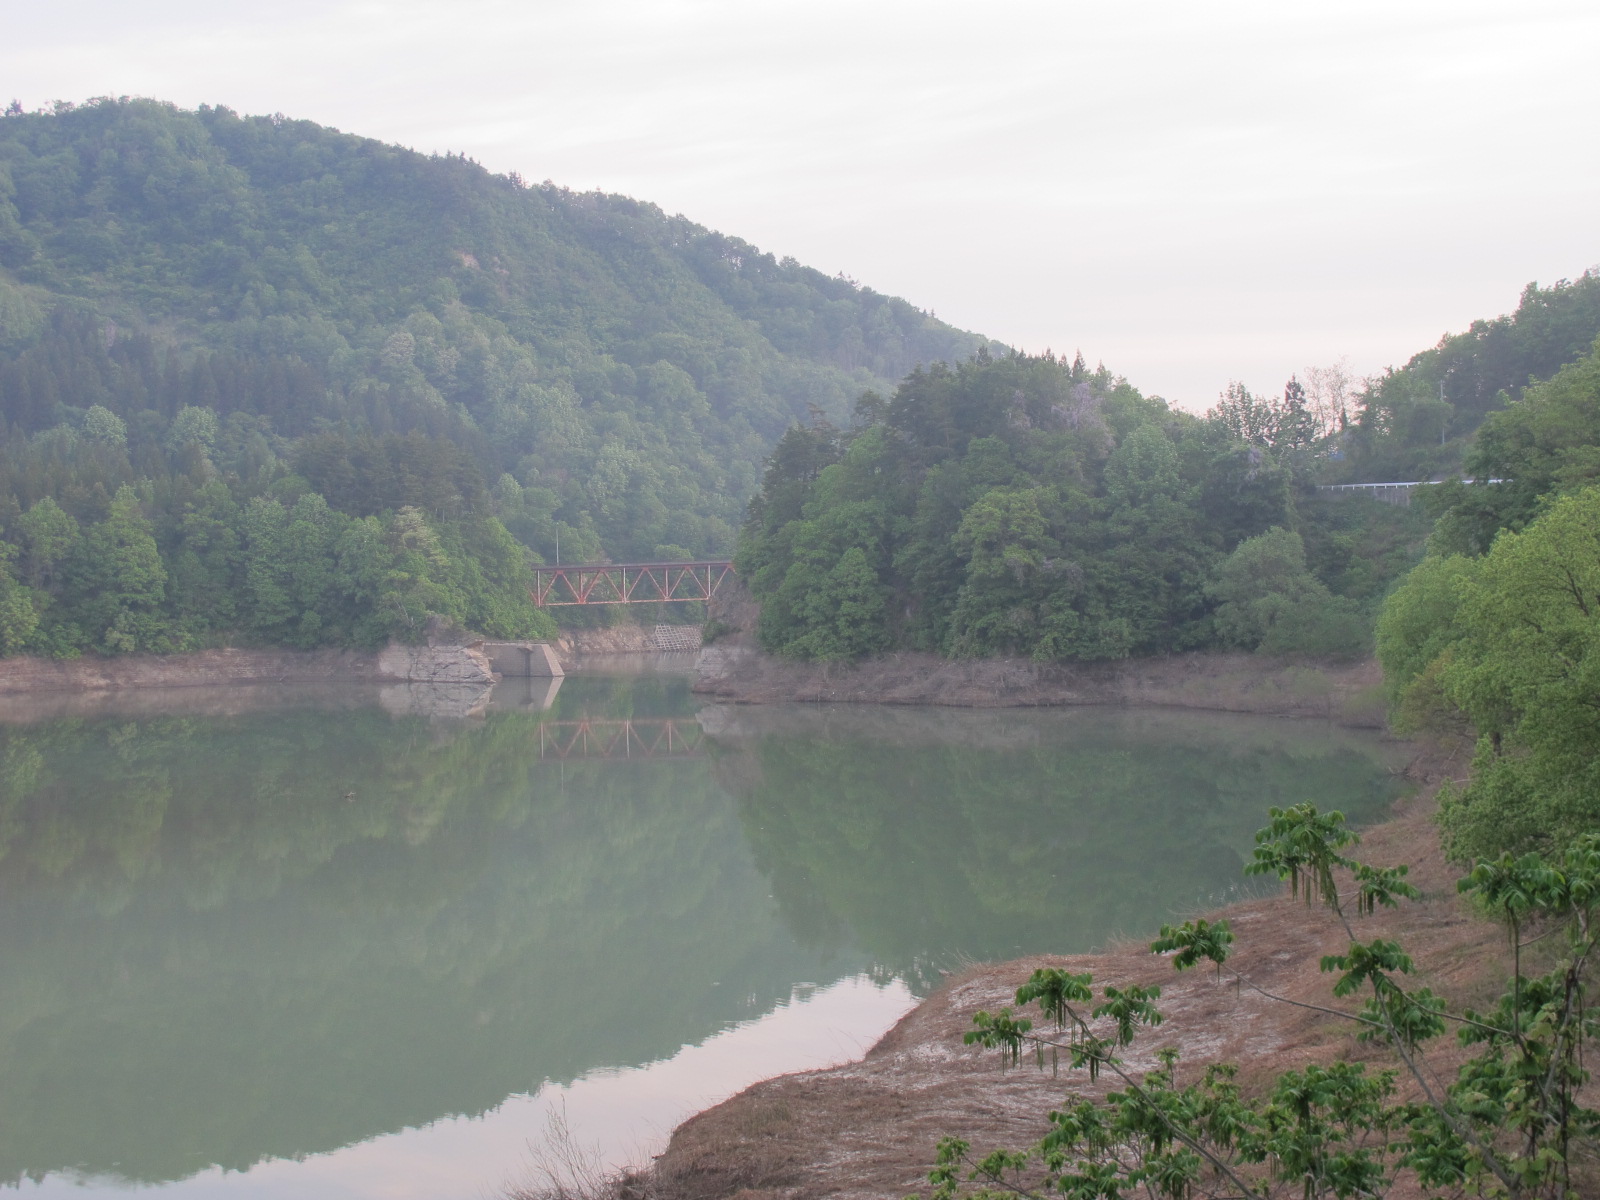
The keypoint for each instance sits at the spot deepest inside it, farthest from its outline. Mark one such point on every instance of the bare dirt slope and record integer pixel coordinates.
(92, 672)
(732, 667)
(1349, 693)
(868, 1129)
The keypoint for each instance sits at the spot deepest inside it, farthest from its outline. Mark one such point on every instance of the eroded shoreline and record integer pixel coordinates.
(1346, 693)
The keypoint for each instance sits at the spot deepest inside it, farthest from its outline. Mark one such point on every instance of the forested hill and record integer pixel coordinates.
(1026, 505)
(629, 371)
(263, 381)
(1017, 505)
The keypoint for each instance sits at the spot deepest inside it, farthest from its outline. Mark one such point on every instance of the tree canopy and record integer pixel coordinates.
(1496, 630)
(1026, 505)
(1418, 421)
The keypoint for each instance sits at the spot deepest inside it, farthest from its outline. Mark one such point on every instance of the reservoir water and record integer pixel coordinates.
(359, 943)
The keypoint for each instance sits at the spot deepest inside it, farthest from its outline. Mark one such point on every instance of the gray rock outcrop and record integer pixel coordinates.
(435, 664)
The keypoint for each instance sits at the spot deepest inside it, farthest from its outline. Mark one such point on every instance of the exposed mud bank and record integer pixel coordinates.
(1346, 693)
(205, 700)
(392, 664)
(868, 1129)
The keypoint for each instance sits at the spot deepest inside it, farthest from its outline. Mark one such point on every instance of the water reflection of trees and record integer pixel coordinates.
(273, 933)
(926, 837)
(277, 934)
(242, 800)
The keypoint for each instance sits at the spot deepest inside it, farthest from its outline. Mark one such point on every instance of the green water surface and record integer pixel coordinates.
(262, 926)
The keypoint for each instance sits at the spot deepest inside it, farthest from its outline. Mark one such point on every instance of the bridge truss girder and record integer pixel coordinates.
(627, 583)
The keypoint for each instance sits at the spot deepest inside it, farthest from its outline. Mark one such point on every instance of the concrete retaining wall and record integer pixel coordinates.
(523, 660)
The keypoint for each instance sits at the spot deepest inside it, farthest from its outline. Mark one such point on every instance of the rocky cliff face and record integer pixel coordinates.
(435, 664)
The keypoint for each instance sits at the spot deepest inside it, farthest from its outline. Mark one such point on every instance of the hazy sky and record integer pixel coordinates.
(1189, 192)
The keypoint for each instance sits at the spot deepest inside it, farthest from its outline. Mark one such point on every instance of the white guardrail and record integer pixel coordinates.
(1391, 493)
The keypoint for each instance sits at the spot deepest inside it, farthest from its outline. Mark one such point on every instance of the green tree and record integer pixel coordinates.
(18, 615)
(844, 614)
(1157, 554)
(205, 562)
(1007, 548)
(47, 536)
(115, 582)
(196, 427)
(365, 561)
(1269, 602)
(104, 427)
(1417, 631)
(490, 570)
(1526, 670)
(806, 565)
(268, 604)
(1246, 417)
(297, 594)
(417, 586)
(1547, 442)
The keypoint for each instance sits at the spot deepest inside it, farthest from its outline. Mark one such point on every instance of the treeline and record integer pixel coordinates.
(73, 359)
(178, 535)
(1025, 505)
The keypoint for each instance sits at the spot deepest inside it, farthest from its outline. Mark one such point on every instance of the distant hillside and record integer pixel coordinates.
(1417, 421)
(264, 382)
(625, 370)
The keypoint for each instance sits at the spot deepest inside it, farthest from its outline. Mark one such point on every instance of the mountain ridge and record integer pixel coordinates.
(554, 324)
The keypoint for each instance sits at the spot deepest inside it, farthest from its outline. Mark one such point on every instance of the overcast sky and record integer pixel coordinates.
(1191, 193)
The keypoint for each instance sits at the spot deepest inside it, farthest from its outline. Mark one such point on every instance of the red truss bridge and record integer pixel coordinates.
(627, 583)
(660, 737)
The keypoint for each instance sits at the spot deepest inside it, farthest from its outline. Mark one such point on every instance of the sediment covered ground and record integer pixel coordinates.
(1350, 693)
(93, 672)
(445, 664)
(869, 1129)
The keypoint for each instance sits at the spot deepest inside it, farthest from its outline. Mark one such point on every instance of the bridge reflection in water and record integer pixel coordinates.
(639, 738)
